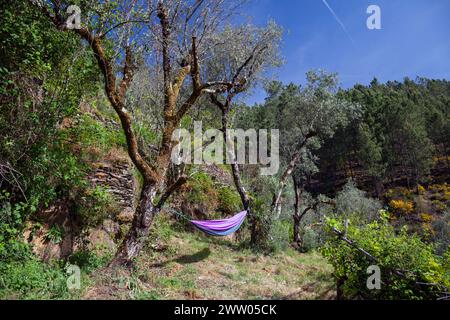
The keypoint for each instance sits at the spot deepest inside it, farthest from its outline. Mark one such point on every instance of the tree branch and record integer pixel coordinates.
(103, 34)
(127, 73)
(290, 168)
(171, 189)
(115, 96)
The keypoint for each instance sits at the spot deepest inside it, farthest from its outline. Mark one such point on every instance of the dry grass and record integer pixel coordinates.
(192, 266)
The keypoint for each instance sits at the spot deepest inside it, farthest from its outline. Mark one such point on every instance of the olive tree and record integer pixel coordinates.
(306, 116)
(174, 39)
(258, 50)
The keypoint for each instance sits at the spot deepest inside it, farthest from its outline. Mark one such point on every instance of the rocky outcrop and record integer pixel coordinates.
(57, 232)
(53, 232)
(118, 179)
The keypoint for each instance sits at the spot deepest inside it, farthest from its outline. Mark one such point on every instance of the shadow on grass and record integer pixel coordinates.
(186, 259)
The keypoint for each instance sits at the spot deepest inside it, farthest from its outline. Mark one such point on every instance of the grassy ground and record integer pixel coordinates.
(192, 266)
(177, 264)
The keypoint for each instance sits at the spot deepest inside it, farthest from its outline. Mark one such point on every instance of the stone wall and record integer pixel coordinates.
(118, 179)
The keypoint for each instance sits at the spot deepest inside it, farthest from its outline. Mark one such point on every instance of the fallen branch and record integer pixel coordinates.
(397, 272)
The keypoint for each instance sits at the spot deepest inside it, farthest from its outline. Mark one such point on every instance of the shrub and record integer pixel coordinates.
(311, 240)
(11, 219)
(402, 207)
(264, 221)
(441, 231)
(421, 189)
(200, 192)
(229, 201)
(352, 200)
(279, 235)
(201, 188)
(402, 251)
(439, 206)
(31, 279)
(55, 234)
(89, 260)
(426, 217)
(94, 205)
(92, 135)
(398, 192)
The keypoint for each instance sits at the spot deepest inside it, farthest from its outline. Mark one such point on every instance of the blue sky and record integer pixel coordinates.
(414, 39)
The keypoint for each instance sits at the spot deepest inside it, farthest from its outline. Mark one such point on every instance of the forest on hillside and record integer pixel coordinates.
(91, 114)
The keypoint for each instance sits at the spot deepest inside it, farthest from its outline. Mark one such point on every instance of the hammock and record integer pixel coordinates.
(221, 228)
(218, 228)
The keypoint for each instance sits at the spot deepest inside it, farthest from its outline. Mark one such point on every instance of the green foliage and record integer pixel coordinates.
(44, 75)
(88, 261)
(164, 231)
(310, 239)
(394, 251)
(55, 234)
(280, 235)
(263, 222)
(31, 279)
(351, 201)
(440, 234)
(94, 205)
(229, 200)
(299, 111)
(201, 188)
(401, 124)
(11, 221)
(202, 193)
(94, 138)
(46, 147)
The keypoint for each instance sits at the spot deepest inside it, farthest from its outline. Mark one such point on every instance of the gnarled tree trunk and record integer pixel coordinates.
(140, 228)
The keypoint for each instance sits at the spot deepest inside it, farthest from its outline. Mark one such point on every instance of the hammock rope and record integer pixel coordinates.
(217, 228)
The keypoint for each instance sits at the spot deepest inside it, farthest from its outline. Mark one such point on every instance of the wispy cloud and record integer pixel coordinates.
(339, 21)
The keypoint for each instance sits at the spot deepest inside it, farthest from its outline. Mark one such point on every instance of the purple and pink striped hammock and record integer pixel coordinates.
(221, 228)
(217, 228)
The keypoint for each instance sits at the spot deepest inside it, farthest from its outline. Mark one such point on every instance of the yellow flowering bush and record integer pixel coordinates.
(426, 217)
(398, 192)
(421, 189)
(440, 191)
(402, 206)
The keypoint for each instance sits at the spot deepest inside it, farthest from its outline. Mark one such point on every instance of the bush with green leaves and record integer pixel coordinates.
(32, 279)
(201, 189)
(425, 275)
(441, 232)
(90, 133)
(88, 260)
(11, 220)
(94, 205)
(229, 200)
(311, 239)
(355, 202)
(55, 234)
(279, 237)
(35, 60)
